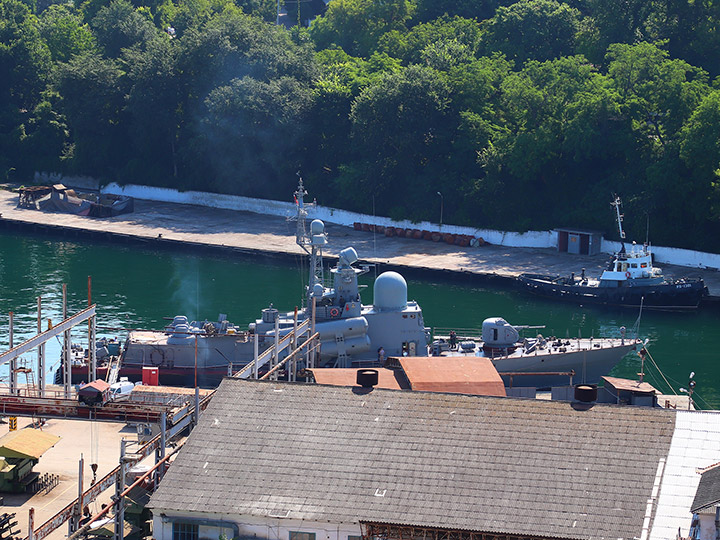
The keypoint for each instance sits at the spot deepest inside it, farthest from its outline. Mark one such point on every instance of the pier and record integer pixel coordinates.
(181, 226)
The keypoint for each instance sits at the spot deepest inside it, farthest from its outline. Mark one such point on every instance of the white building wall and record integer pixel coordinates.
(530, 239)
(695, 445)
(212, 526)
(707, 526)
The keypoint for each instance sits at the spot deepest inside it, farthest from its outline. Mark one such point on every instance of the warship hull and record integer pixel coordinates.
(588, 362)
(682, 295)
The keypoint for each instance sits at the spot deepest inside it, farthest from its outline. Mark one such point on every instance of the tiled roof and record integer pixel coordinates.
(348, 377)
(337, 454)
(708, 492)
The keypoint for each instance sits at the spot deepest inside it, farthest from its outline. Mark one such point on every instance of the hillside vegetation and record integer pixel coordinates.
(525, 115)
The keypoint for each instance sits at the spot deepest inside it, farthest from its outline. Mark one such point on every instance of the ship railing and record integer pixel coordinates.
(463, 334)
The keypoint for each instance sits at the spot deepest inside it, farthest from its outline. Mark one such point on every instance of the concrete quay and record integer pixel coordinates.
(161, 225)
(98, 441)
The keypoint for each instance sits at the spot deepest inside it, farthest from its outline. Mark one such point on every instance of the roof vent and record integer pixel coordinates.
(586, 393)
(367, 378)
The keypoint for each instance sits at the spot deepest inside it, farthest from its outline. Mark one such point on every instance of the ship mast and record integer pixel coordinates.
(312, 242)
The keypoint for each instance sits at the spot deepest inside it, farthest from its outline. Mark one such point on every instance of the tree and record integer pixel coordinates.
(428, 10)
(400, 133)
(93, 93)
(119, 26)
(356, 25)
(255, 129)
(65, 33)
(153, 110)
(532, 29)
(439, 44)
(24, 66)
(700, 151)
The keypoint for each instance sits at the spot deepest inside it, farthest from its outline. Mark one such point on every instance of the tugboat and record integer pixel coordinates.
(630, 280)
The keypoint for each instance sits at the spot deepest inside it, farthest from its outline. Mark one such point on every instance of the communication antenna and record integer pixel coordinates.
(617, 203)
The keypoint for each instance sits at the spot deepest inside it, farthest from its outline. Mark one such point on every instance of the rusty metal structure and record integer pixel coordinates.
(387, 531)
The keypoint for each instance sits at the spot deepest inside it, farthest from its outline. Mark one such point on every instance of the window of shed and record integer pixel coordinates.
(296, 535)
(185, 531)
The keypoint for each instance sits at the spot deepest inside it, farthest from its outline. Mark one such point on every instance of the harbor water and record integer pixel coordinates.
(137, 288)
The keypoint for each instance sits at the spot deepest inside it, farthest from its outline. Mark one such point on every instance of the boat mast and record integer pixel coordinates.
(616, 203)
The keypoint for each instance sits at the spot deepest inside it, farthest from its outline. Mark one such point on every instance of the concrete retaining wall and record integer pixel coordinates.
(530, 239)
(677, 256)
(540, 239)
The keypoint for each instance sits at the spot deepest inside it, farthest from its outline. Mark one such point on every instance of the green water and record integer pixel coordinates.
(137, 288)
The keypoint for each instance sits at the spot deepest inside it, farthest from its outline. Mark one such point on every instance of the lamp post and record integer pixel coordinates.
(442, 201)
(691, 388)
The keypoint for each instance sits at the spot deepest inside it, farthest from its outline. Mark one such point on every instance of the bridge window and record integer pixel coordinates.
(185, 531)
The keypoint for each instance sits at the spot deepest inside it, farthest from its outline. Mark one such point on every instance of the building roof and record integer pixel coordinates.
(97, 385)
(342, 455)
(630, 385)
(348, 377)
(708, 492)
(456, 374)
(27, 443)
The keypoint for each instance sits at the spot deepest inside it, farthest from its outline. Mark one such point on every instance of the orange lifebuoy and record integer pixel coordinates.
(334, 312)
(627, 274)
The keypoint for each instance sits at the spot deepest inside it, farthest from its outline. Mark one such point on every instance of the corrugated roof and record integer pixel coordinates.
(342, 455)
(348, 377)
(457, 374)
(27, 443)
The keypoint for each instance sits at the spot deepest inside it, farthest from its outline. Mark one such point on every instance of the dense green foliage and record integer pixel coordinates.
(524, 115)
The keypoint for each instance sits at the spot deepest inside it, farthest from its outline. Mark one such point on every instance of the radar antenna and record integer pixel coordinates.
(617, 203)
(311, 242)
(301, 236)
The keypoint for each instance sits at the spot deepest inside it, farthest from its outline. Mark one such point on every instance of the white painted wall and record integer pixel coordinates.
(249, 526)
(530, 239)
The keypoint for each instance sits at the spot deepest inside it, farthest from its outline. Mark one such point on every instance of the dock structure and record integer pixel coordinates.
(160, 224)
(42, 515)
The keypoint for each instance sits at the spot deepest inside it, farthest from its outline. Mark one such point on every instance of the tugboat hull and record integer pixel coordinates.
(681, 295)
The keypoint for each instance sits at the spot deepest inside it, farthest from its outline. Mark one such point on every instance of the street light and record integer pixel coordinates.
(442, 200)
(691, 386)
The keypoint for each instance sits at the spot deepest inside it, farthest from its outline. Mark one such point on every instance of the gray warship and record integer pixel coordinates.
(351, 333)
(538, 361)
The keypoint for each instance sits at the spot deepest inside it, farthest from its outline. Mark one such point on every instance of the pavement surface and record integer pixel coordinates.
(180, 225)
(97, 442)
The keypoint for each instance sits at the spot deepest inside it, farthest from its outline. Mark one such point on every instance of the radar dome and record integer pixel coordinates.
(390, 292)
(317, 227)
